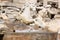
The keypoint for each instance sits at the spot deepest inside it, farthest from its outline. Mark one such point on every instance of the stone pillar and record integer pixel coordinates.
(58, 3)
(45, 2)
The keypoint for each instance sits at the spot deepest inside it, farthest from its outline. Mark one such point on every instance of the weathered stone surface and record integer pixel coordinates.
(30, 36)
